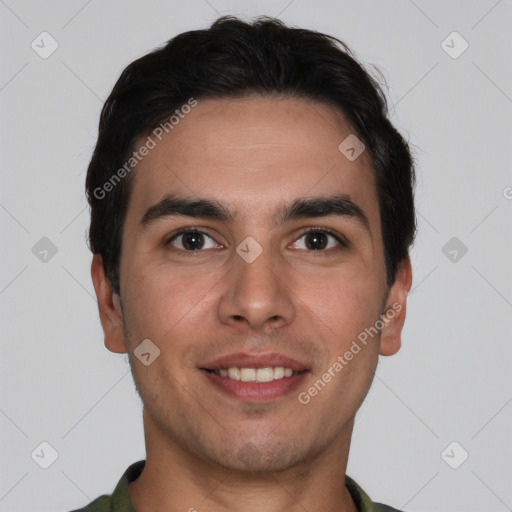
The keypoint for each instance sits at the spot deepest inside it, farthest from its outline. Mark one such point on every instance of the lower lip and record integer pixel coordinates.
(256, 391)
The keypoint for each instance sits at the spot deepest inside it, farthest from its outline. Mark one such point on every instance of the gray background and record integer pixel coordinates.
(450, 382)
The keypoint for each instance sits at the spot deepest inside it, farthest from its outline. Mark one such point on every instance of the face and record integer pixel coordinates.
(283, 266)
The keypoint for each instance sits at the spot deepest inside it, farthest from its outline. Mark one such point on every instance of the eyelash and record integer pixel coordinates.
(343, 243)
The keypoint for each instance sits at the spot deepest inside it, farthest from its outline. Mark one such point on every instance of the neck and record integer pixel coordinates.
(176, 480)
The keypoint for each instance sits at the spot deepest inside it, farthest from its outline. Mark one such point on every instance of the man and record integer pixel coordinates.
(251, 216)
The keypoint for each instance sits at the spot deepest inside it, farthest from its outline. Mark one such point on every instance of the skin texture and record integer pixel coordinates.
(206, 449)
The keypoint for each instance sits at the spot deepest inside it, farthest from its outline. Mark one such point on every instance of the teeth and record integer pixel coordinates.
(234, 373)
(266, 374)
(278, 372)
(247, 374)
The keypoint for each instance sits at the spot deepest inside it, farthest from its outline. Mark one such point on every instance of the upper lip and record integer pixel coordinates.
(244, 360)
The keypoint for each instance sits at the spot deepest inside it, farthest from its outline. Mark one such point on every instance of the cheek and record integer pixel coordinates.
(165, 304)
(346, 305)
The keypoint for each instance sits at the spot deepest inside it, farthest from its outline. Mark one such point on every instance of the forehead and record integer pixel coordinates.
(254, 154)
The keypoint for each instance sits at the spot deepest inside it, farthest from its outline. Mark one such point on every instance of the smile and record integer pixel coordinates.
(266, 374)
(255, 384)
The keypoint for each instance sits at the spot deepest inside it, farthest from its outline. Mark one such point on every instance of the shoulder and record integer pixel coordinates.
(363, 501)
(119, 500)
(101, 504)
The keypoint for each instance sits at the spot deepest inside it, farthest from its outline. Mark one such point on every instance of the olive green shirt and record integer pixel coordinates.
(119, 501)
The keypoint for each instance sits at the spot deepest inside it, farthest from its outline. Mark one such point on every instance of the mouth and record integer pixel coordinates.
(255, 378)
(255, 390)
(265, 374)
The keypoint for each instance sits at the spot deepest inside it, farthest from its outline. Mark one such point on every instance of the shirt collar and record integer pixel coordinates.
(121, 500)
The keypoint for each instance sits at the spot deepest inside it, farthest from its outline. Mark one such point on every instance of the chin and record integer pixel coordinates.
(254, 457)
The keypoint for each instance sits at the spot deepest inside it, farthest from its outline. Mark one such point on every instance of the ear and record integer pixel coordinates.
(111, 315)
(394, 314)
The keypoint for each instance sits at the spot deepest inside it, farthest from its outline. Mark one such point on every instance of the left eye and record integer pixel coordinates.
(316, 240)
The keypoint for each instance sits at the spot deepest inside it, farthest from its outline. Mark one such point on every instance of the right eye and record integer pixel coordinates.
(192, 240)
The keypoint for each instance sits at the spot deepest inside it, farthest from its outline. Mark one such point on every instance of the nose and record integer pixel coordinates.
(256, 294)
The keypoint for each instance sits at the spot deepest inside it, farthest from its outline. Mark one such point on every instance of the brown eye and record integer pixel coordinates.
(192, 240)
(318, 240)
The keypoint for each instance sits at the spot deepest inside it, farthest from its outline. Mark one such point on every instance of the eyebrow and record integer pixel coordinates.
(302, 207)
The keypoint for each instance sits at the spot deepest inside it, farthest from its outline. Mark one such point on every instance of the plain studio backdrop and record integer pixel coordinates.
(434, 433)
